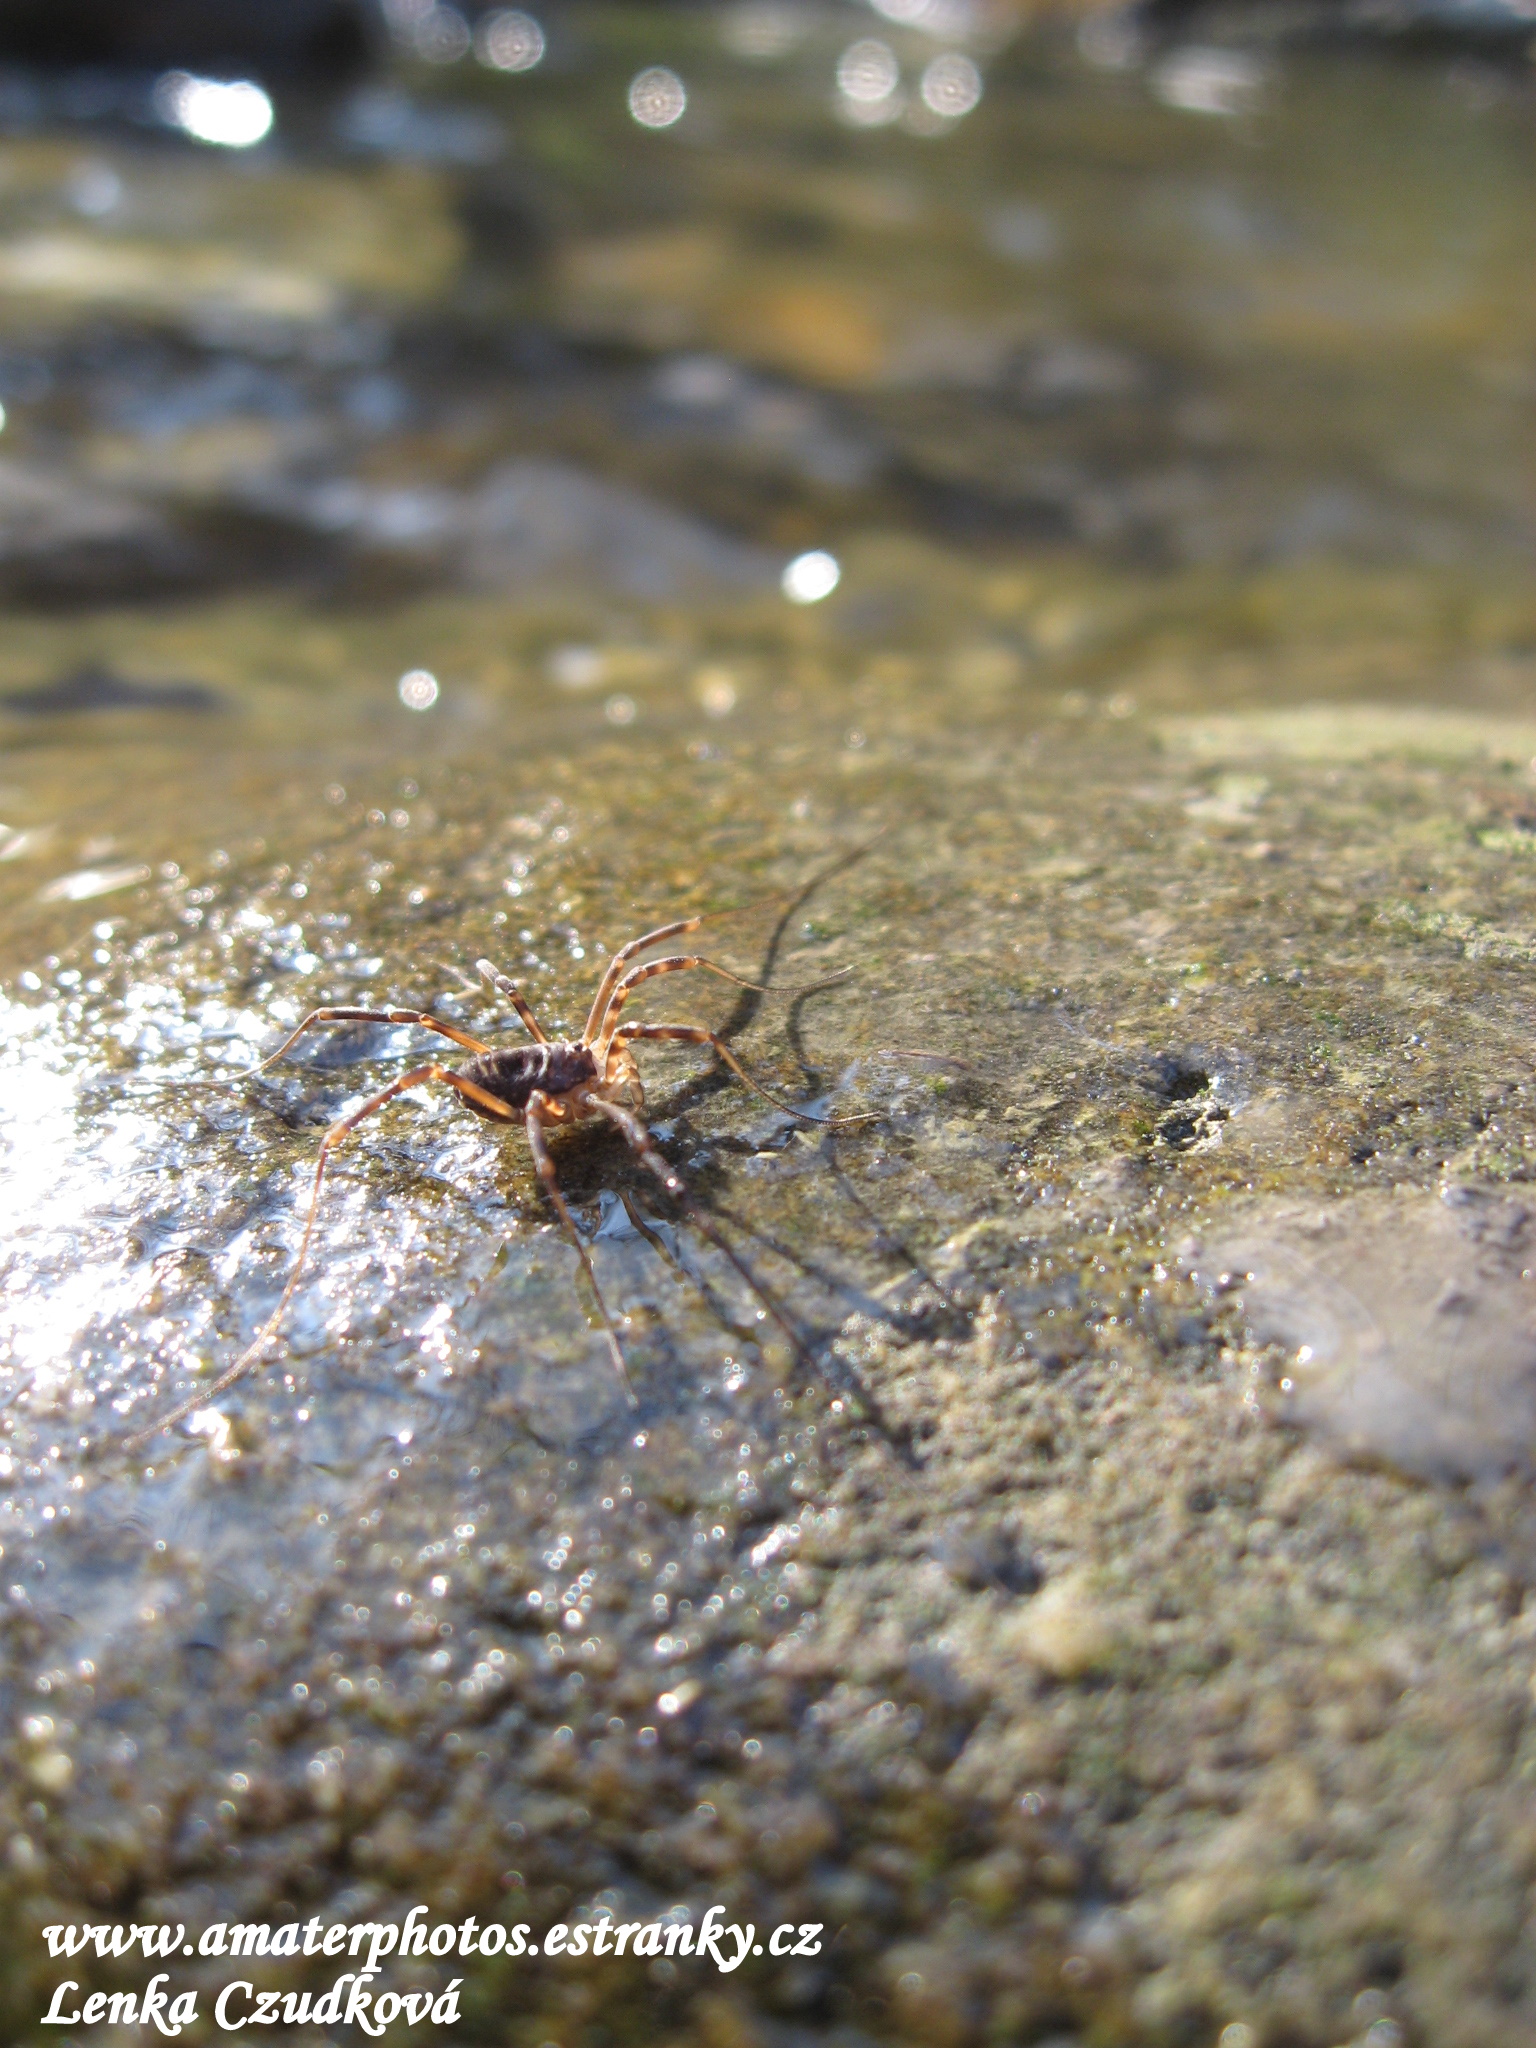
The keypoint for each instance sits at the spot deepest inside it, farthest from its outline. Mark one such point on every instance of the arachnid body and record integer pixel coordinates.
(543, 1085)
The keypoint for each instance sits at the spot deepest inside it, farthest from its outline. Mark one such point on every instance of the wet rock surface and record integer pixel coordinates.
(1021, 1628)
(1405, 1325)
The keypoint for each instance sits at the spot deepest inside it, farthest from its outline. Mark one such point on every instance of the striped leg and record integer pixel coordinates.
(639, 1139)
(615, 966)
(695, 1034)
(679, 963)
(334, 1016)
(691, 924)
(544, 1166)
(505, 985)
(333, 1137)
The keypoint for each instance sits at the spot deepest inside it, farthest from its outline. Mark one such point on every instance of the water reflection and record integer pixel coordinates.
(657, 97)
(234, 114)
(509, 40)
(811, 577)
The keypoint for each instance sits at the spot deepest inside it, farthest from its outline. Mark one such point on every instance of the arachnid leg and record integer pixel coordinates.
(695, 1034)
(628, 951)
(615, 967)
(640, 1144)
(332, 1138)
(334, 1016)
(506, 986)
(673, 963)
(544, 1166)
(680, 963)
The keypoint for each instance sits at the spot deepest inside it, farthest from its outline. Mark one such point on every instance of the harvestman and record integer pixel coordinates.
(551, 1082)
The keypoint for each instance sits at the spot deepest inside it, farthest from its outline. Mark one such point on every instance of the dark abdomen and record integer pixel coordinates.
(513, 1075)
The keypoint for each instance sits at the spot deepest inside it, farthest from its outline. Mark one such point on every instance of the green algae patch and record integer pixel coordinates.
(1329, 734)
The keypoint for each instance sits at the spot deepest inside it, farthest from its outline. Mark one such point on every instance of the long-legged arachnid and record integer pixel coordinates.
(553, 1081)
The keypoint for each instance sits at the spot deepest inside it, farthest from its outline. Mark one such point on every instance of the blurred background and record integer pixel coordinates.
(293, 296)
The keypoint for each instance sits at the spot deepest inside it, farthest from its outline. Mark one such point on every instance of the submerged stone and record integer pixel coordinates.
(97, 688)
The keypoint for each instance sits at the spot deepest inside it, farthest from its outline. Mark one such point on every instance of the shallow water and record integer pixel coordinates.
(1175, 700)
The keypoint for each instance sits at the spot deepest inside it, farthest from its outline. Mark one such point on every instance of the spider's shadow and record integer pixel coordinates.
(701, 1087)
(594, 1168)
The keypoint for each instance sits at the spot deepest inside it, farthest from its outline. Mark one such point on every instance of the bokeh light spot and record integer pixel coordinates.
(234, 114)
(867, 71)
(441, 36)
(811, 577)
(951, 85)
(509, 40)
(418, 689)
(657, 97)
(717, 691)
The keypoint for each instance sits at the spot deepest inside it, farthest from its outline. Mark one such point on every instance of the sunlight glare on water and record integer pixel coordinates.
(232, 114)
(509, 40)
(811, 577)
(657, 98)
(48, 1185)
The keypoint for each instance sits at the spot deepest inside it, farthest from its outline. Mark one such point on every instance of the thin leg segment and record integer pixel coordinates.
(544, 1167)
(628, 951)
(505, 985)
(625, 986)
(679, 963)
(691, 924)
(695, 1034)
(615, 967)
(333, 1016)
(332, 1138)
(639, 1139)
(671, 1261)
